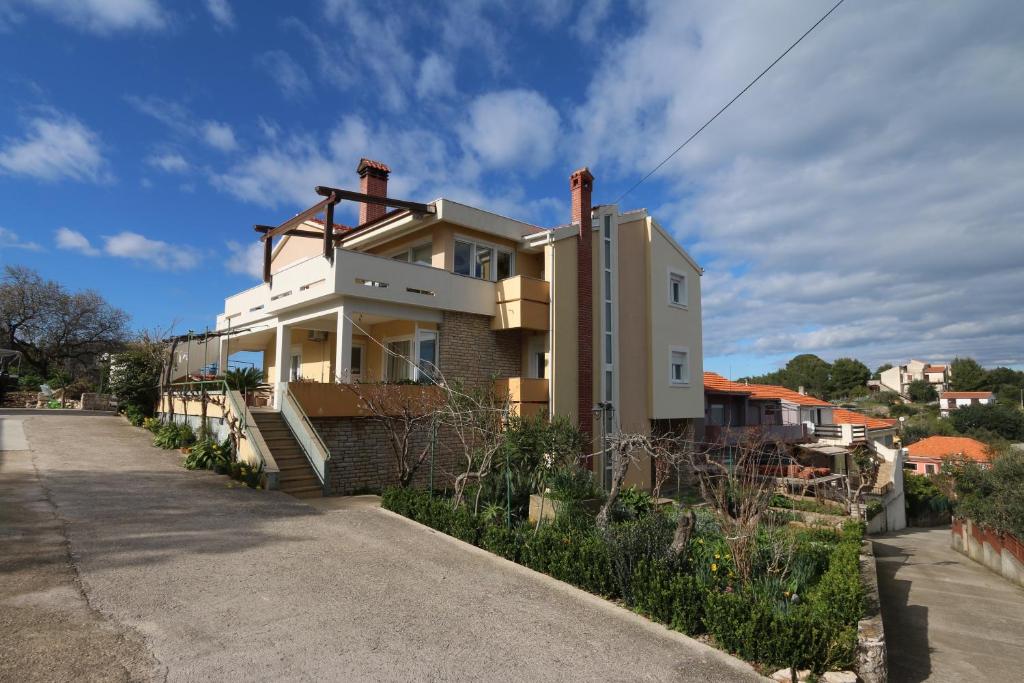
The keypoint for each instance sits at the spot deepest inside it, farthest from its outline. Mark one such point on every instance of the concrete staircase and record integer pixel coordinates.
(297, 476)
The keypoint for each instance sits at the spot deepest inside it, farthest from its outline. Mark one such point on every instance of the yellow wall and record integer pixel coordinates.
(560, 268)
(634, 328)
(294, 249)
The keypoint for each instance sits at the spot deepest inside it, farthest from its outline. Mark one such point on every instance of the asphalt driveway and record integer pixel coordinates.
(120, 565)
(946, 617)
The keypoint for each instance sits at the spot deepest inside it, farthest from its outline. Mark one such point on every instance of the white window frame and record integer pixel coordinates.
(495, 248)
(407, 252)
(684, 301)
(414, 351)
(356, 376)
(295, 352)
(685, 381)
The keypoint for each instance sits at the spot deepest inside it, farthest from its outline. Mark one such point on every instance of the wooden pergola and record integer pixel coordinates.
(332, 196)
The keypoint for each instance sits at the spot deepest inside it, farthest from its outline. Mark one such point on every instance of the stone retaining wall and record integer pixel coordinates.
(362, 459)
(1002, 553)
(872, 666)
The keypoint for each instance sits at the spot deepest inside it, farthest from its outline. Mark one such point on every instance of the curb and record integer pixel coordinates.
(872, 665)
(591, 599)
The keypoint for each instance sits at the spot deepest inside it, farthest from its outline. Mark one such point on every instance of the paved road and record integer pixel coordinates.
(946, 617)
(124, 566)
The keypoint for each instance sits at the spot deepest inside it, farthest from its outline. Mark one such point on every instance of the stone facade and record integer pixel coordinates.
(472, 353)
(362, 459)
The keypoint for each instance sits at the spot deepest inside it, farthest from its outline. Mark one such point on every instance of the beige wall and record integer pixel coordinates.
(560, 268)
(295, 249)
(634, 329)
(672, 326)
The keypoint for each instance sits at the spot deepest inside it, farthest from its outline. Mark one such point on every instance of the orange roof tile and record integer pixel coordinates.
(841, 416)
(949, 446)
(765, 392)
(935, 368)
(716, 383)
(965, 394)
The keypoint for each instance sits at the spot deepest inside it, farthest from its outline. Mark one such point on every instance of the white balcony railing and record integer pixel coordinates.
(359, 275)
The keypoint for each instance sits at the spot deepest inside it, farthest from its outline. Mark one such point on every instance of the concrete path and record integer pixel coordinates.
(946, 617)
(128, 567)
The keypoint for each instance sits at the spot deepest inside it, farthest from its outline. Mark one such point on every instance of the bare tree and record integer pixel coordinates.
(407, 413)
(476, 422)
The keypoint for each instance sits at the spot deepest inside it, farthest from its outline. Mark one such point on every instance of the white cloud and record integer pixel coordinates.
(221, 12)
(10, 240)
(246, 259)
(75, 241)
(866, 206)
(56, 147)
(162, 255)
(512, 128)
(219, 135)
(289, 76)
(591, 16)
(96, 16)
(436, 77)
(171, 162)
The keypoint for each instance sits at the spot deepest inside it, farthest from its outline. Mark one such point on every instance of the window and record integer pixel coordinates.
(483, 261)
(397, 366)
(356, 362)
(929, 469)
(677, 295)
(426, 354)
(716, 414)
(422, 254)
(679, 367)
(295, 367)
(540, 364)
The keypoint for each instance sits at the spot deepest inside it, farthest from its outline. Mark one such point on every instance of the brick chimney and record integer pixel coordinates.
(581, 184)
(373, 180)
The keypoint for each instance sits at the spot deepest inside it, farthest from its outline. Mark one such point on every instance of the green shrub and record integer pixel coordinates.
(630, 543)
(575, 555)
(671, 597)
(207, 454)
(134, 415)
(152, 424)
(632, 503)
(174, 435)
(501, 540)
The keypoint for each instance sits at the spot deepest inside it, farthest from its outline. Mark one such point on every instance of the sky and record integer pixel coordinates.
(865, 198)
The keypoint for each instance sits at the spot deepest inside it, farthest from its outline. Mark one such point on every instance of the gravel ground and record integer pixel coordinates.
(126, 567)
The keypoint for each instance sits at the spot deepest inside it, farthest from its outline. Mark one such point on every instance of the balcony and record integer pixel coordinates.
(845, 434)
(528, 396)
(522, 303)
(339, 400)
(364, 276)
(736, 434)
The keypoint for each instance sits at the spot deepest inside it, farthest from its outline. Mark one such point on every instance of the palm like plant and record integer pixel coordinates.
(244, 379)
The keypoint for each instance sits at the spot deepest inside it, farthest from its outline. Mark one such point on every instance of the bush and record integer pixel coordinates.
(207, 454)
(922, 495)
(174, 436)
(993, 497)
(1005, 420)
(630, 543)
(921, 391)
(152, 424)
(134, 415)
(500, 540)
(633, 503)
(576, 555)
(669, 596)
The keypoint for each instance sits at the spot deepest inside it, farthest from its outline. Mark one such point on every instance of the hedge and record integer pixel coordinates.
(816, 631)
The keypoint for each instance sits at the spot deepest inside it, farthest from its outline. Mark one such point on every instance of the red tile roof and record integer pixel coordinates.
(966, 394)
(935, 368)
(716, 383)
(763, 392)
(841, 416)
(949, 446)
(338, 227)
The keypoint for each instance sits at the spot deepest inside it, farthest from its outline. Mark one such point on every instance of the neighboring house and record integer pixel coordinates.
(781, 414)
(825, 434)
(926, 455)
(951, 400)
(606, 309)
(898, 378)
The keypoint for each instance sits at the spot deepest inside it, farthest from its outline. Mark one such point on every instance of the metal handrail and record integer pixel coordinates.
(319, 459)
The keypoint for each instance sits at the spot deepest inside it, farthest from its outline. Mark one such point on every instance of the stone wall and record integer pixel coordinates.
(473, 353)
(872, 663)
(19, 399)
(362, 459)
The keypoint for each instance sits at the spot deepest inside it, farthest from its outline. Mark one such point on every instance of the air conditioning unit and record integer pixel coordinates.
(316, 336)
(810, 427)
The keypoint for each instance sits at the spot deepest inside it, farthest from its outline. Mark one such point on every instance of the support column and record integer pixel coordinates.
(282, 345)
(343, 347)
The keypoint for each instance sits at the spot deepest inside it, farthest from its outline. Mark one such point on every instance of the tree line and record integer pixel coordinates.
(61, 335)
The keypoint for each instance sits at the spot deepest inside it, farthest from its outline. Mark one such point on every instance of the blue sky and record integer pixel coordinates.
(864, 199)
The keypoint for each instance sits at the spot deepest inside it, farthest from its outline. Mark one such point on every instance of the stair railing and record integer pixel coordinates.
(305, 433)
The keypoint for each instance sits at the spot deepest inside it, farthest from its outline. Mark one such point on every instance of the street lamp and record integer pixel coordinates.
(602, 410)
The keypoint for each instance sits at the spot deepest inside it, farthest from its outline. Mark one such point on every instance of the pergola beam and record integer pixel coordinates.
(298, 219)
(339, 194)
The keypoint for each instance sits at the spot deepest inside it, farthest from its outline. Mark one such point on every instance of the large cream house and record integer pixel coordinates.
(603, 310)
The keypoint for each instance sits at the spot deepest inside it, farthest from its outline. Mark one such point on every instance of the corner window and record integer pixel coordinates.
(679, 366)
(483, 261)
(677, 295)
(426, 354)
(422, 254)
(356, 364)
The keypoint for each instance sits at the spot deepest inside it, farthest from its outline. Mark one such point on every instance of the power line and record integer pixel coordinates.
(729, 103)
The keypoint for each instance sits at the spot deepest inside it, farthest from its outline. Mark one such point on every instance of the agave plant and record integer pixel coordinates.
(244, 379)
